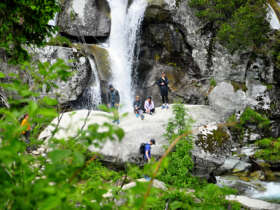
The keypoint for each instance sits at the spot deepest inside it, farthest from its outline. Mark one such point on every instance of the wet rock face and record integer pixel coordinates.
(87, 18)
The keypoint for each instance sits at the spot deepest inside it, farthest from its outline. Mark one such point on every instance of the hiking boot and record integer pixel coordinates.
(137, 115)
(163, 106)
(142, 117)
(167, 107)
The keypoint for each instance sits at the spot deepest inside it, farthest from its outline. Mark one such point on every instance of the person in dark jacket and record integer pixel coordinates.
(114, 102)
(113, 97)
(137, 105)
(163, 86)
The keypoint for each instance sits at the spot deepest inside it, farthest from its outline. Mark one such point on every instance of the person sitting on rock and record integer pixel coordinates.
(113, 98)
(163, 86)
(147, 154)
(149, 106)
(137, 105)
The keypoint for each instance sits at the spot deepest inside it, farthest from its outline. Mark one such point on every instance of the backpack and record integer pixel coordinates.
(142, 149)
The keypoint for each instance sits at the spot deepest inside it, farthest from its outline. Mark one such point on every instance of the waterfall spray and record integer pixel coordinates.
(126, 21)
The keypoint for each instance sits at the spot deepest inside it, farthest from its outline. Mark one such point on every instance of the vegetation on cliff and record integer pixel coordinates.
(238, 24)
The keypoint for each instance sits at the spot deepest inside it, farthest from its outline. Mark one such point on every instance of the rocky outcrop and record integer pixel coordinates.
(66, 91)
(206, 163)
(174, 40)
(89, 19)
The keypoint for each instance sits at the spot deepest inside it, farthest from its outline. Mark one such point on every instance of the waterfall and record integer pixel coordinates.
(91, 96)
(273, 19)
(125, 23)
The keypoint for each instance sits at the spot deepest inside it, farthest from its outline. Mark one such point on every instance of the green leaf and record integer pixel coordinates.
(59, 155)
(2, 75)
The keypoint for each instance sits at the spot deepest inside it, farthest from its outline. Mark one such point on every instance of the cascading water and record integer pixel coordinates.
(126, 21)
(91, 96)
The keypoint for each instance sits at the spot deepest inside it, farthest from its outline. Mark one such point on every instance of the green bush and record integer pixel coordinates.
(180, 162)
(60, 41)
(269, 149)
(249, 116)
(25, 23)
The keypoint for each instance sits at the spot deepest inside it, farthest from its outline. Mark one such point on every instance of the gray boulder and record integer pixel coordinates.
(66, 91)
(225, 100)
(88, 18)
(73, 88)
(137, 132)
(253, 204)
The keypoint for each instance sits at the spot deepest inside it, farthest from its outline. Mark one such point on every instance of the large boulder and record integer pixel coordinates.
(66, 91)
(87, 18)
(137, 132)
(224, 99)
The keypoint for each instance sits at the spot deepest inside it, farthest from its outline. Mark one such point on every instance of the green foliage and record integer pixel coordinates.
(249, 116)
(213, 82)
(25, 23)
(269, 149)
(60, 41)
(52, 181)
(239, 24)
(214, 142)
(180, 163)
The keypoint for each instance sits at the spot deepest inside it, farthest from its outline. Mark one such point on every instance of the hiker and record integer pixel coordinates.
(145, 150)
(137, 105)
(163, 86)
(113, 97)
(27, 127)
(149, 106)
(113, 102)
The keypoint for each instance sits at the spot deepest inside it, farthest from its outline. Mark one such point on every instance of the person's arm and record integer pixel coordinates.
(158, 82)
(166, 81)
(147, 155)
(146, 105)
(108, 99)
(117, 98)
(152, 105)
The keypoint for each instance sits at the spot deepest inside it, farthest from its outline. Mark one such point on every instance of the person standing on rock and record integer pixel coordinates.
(137, 105)
(113, 98)
(149, 106)
(163, 86)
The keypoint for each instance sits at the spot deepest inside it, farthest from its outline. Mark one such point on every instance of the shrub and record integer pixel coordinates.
(269, 149)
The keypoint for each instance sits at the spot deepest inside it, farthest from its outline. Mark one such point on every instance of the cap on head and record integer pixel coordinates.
(111, 86)
(153, 141)
(150, 97)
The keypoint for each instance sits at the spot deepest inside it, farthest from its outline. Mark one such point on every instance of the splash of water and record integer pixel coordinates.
(91, 96)
(125, 23)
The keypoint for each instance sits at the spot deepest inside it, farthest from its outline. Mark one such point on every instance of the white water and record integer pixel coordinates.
(125, 23)
(95, 88)
(272, 192)
(274, 22)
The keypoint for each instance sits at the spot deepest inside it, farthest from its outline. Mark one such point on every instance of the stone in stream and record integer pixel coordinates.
(253, 204)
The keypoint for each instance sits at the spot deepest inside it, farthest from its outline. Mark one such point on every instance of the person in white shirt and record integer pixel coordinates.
(149, 106)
